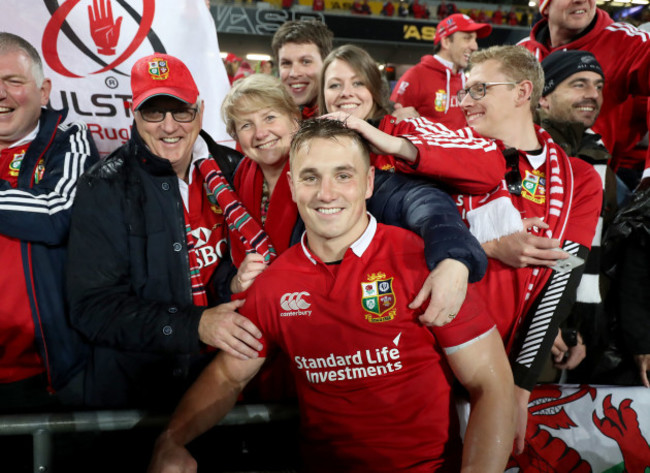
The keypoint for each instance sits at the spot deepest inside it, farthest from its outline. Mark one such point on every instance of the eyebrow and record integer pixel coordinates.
(584, 80)
(312, 170)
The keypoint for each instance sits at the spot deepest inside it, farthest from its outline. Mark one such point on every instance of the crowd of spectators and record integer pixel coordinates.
(135, 312)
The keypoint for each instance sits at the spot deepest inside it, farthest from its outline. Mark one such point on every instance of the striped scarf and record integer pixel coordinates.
(240, 223)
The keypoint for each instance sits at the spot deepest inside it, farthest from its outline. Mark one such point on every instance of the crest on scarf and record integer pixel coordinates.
(534, 187)
(158, 69)
(378, 298)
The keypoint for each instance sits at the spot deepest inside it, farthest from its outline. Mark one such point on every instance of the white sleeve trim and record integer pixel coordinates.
(450, 350)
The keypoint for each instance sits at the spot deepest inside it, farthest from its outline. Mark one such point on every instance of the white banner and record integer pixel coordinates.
(89, 46)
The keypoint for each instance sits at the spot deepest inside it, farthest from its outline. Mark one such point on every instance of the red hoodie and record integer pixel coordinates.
(431, 87)
(623, 52)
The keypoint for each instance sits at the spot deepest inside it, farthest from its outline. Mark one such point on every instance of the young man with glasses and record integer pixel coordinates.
(545, 201)
(149, 263)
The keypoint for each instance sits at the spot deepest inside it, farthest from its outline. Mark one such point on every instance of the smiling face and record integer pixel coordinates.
(265, 136)
(458, 47)
(493, 114)
(170, 139)
(300, 66)
(567, 18)
(345, 91)
(576, 99)
(20, 97)
(330, 181)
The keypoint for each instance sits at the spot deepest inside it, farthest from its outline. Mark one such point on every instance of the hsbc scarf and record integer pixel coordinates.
(244, 230)
(282, 213)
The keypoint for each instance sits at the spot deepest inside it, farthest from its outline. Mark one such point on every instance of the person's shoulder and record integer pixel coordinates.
(587, 181)
(110, 168)
(582, 168)
(397, 240)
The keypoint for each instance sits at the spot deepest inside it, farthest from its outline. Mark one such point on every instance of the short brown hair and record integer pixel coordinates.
(365, 66)
(256, 92)
(324, 128)
(518, 64)
(303, 32)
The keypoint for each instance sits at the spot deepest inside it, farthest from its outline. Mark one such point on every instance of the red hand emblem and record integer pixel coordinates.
(622, 426)
(104, 31)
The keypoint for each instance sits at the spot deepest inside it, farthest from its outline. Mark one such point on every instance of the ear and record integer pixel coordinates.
(524, 91)
(46, 88)
(370, 187)
(291, 186)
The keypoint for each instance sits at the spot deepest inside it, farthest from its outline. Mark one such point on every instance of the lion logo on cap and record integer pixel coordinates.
(158, 69)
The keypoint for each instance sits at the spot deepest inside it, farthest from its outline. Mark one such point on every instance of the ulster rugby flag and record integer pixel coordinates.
(89, 46)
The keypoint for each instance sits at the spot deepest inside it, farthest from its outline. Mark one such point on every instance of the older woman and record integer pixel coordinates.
(353, 91)
(262, 117)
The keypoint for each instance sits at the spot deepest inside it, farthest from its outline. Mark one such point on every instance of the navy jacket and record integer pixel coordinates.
(38, 214)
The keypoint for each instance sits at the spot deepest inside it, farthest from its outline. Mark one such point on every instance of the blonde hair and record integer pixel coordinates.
(518, 64)
(256, 92)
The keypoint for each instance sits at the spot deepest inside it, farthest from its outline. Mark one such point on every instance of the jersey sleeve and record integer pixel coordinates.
(586, 205)
(41, 213)
(460, 159)
(259, 311)
(471, 323)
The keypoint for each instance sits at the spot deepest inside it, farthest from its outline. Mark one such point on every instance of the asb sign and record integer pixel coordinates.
(89, 46)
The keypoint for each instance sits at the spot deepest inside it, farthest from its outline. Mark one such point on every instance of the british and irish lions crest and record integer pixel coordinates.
(378, 298)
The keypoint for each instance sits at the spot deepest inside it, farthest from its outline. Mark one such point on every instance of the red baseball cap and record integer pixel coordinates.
(162, 74)
(232, 57)
(460, 22)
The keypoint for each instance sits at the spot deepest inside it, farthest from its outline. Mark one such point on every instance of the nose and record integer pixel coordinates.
(592, 91)
(260, 131)
(168, 124)
(326, 190)
(467, 101)
(473, 45)
(295, 70)
(346, 89)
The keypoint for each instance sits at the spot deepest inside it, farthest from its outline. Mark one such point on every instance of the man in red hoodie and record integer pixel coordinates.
(431, 86)
(620, 48)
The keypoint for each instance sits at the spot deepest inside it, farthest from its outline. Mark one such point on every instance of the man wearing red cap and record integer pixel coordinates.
(620, 48)
(149, 269)
(232, 63)
(431, 86)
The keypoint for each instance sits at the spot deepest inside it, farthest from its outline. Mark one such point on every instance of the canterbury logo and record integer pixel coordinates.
(294, 301)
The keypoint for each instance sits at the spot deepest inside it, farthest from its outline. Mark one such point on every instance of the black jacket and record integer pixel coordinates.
(129, 280)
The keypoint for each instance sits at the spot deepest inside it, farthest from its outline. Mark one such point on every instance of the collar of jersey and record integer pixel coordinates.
(358, 247)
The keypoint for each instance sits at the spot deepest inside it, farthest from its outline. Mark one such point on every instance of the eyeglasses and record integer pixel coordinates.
(513, 177)
(477, 91)
(156, 115)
